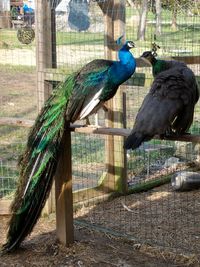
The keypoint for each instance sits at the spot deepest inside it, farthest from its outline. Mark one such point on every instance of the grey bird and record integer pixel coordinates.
(168, 108)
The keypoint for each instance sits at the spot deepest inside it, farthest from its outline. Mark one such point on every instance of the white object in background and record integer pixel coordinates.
(185, 180)
(4, 5)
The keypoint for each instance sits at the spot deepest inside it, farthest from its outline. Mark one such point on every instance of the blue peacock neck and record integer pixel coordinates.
(125, 56)
(125, 67)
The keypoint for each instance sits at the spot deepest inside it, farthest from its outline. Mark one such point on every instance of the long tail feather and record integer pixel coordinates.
(38, 165)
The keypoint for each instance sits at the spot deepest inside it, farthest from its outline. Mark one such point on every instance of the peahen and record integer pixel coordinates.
(80, 95)
(168, 108)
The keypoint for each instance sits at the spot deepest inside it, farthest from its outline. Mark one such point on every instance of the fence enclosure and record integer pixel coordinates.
(97, 168)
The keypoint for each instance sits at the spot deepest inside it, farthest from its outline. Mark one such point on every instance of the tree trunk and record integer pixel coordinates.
(158, 17)
(143, 18)
(174, 16)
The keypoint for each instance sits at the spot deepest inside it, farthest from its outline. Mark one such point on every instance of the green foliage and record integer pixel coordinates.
(8, 180)
(14, 69)
(14, 12)
(87, 149)
(194, 129)
(10, 41)
(9, 154)
(178, 4)
(79, 38)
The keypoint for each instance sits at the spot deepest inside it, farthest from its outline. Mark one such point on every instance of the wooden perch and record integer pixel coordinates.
(126, 132)
(101, 130)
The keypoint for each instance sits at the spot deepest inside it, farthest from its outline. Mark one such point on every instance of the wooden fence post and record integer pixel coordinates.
(114, 16)
(45, 58)
(64, 197)
(45, 48)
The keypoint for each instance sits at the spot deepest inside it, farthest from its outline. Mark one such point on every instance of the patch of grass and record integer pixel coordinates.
(8, 180)
(17, 68)
(9, 40)
(87, 149)
(194, 129)
(8, 168)
(79, 38)
(12, 144)
(9, 37)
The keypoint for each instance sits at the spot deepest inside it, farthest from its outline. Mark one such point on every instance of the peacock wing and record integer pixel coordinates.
(89, 83)
(169, 104)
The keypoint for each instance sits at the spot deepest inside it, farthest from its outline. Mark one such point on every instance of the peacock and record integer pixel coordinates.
(168, 108)
(78, 96)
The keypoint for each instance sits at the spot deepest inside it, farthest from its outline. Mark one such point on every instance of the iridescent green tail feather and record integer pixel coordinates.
(38, 165)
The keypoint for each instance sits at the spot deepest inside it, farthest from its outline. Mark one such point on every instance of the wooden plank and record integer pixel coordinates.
(188, 60)
(44, 48)
(100, 130)
(108, 10)
(58, 74)
(64, 198)
(114, 17)
(50, 205)
(119, 152)
(5, 19)
(138, 79)
(45, 52)
(118, 107)
(88, 194)
(126, 132)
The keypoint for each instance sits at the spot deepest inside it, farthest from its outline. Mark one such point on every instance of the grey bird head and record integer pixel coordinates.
(148, 56)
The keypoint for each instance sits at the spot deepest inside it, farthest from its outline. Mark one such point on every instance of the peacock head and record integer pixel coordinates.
(127, 45)
(148, 57)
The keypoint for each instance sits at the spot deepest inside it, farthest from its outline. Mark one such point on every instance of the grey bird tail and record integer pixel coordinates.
(134, 140)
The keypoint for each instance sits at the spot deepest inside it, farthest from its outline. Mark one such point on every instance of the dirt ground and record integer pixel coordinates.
(89, 249)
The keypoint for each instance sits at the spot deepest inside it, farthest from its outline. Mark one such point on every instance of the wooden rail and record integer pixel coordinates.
(84, 194)
(98, 130)
(138, 79)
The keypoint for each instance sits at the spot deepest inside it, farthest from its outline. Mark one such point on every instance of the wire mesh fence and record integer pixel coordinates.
(152, 213)
(155, 215)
